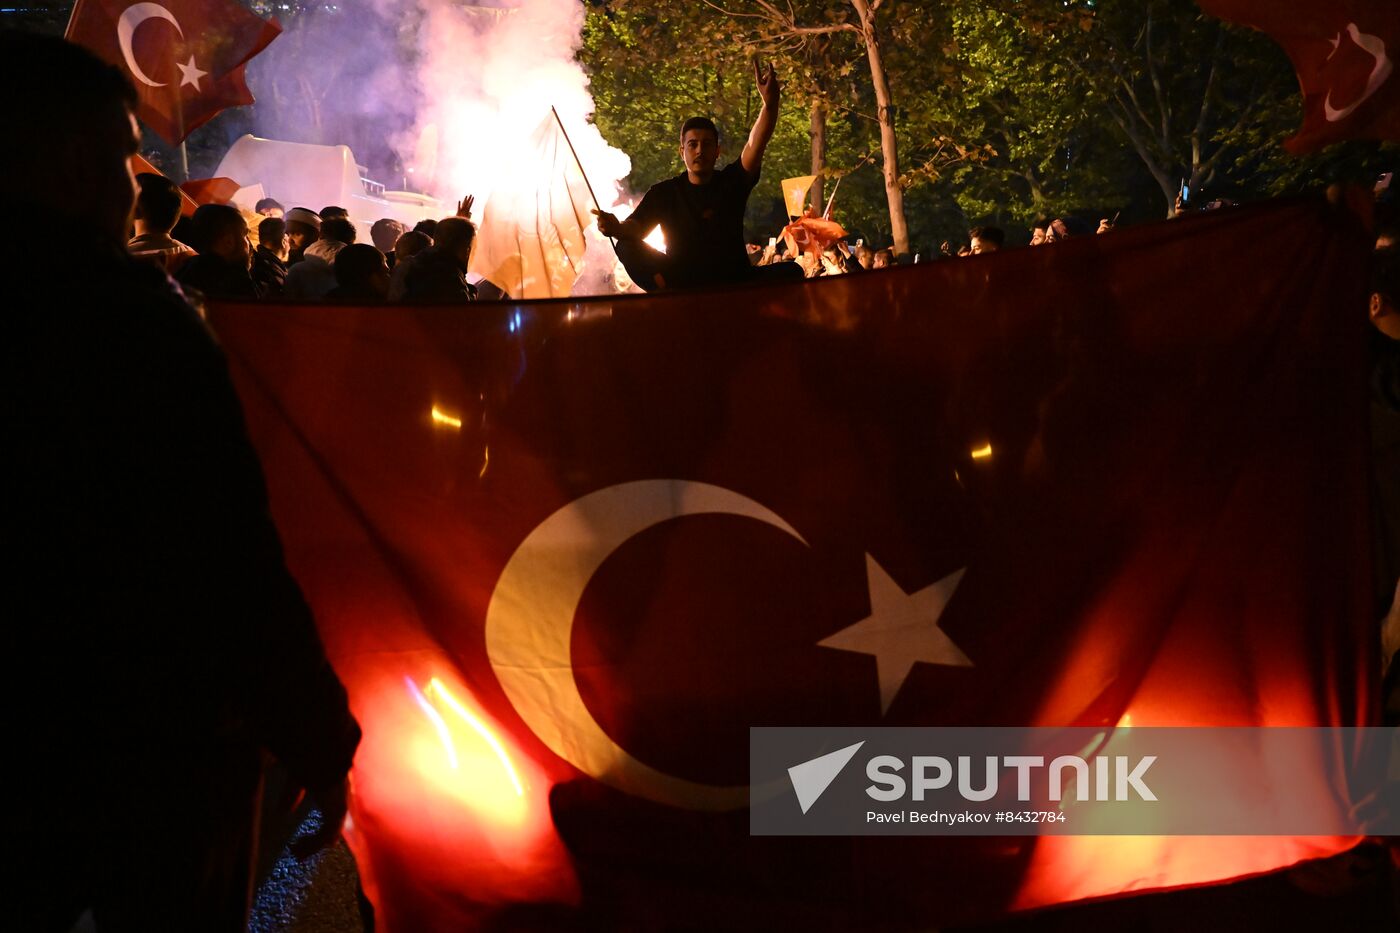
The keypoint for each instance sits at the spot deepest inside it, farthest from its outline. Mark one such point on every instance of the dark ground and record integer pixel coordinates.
(1358, 892)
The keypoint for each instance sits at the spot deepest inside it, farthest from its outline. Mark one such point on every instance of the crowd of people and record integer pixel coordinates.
(155, 628)
(299, 254)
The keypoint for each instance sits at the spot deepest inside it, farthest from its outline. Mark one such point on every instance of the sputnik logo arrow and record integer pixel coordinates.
(811, 778)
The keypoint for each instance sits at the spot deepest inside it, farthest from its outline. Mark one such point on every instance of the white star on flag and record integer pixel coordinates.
(190, 73)
(902, 628)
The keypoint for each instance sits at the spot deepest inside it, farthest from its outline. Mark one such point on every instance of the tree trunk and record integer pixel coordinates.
(818, 151)
(888, 146)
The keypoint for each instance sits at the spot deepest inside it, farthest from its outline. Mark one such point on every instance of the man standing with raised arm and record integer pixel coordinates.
(701, 210)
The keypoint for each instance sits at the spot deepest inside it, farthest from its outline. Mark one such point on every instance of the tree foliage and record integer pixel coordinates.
(1002, 110)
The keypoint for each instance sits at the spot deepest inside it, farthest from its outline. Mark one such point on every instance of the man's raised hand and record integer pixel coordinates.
(464, 207)
(767, 81)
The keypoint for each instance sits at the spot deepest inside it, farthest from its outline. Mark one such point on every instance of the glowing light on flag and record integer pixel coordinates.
(443, 418)
(438, 722)
(480, 729)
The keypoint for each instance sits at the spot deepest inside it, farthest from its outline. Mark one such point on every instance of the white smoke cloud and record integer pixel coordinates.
(453, 87)
(488, 73)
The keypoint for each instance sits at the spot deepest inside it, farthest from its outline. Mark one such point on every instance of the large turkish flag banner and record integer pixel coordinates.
(565, 553)
(184, 57)
(1345, 53)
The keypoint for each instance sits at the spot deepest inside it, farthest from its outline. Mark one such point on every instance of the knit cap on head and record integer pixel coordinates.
(302, 215)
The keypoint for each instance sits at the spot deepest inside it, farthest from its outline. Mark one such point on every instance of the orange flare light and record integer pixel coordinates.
(443, 418)
(436, 688)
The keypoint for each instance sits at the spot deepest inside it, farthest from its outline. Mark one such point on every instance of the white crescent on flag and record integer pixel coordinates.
(132, 17)
(1373, 46)
(530, 619)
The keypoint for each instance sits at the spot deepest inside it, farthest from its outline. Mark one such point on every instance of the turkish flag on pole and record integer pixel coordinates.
(531, 242)
(565, 554)
(1345, 53)
(812, 234)
(185, 57)
(210, 190)
(139, 165)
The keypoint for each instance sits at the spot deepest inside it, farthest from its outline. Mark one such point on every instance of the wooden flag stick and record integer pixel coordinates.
(579, 163)
(831, 200)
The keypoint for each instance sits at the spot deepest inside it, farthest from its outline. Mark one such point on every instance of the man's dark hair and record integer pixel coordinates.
(699, 123)
(157, 202)
(331, 212)
(77, 85)
(453, 233)
(1041, 224)
(50, 122)
(356, 264)
(266, 203)
(426, 227)
(1385, 275)
(990, 234)
(385, 233)
(338, 228)
(411, 243)
(210, 223)
(271, 230)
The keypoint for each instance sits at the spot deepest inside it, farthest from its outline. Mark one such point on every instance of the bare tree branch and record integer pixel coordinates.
(1163, 108)
(733, 13)
(1198, 134)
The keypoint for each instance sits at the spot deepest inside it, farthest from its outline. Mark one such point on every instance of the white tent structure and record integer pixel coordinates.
(306, 175)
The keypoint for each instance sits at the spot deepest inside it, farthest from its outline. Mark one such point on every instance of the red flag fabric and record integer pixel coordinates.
(812, 234)
(184, 57)
(139, 165)
(218, 190)
(1345, 53)
(565, 553)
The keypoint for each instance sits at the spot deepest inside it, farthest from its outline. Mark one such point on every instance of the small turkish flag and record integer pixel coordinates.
(1344, 52)
(185, 57)
(812, 234)
(211, 190)
(140, 166)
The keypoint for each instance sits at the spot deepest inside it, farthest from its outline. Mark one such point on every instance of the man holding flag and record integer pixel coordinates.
(701, 210)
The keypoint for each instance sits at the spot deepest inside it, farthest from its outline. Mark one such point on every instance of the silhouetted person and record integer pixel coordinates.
(269, 207)
(303, 229)
(221, 270)
(156, 642)
(439, 273)
(385, 233)
(361, 274)
(269, 268)
(405, 248)
(311, 278)
(427, 227)
(985, 240)
(701, 210)
(158, 204)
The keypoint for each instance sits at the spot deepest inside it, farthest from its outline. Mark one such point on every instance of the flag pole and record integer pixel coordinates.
(579, 163)
(831, 200)
(72, 15)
